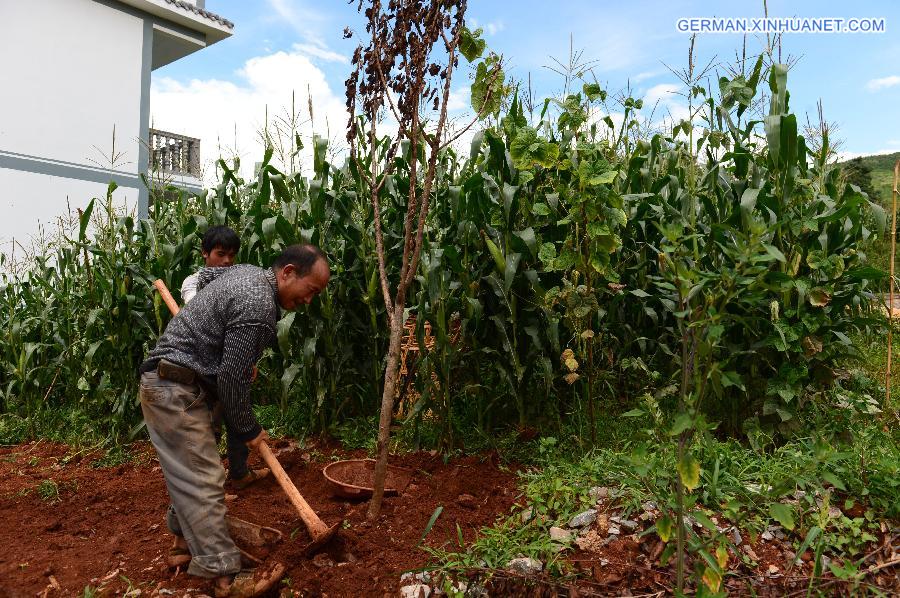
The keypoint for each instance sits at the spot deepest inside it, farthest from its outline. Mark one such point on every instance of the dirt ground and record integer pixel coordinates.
(103, 526)
(67, 523)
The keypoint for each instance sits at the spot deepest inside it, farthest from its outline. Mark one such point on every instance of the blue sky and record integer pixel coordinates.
(278, 46)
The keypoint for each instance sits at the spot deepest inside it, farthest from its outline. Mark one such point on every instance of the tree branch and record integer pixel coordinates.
(435, 148)
(375, 190)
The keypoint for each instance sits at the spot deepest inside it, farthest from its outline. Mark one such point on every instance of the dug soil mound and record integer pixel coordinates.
(67, 523)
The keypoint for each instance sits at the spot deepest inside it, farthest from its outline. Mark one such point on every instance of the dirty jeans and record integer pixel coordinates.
(180, 426)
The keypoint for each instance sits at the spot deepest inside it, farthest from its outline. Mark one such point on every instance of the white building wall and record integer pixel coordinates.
(38, 213)
(70, 74)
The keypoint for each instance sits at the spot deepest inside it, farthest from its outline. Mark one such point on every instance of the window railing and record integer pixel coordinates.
(171, 153)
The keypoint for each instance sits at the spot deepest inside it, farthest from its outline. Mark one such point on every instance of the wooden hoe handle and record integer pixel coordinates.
(166, 296)
(316, 526)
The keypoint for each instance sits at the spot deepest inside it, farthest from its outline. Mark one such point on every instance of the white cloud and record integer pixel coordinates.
(320, 52)
(611, 45)
(667, 103)
(227, 116)
(458, 100)
(663, 93)
(597, 117)
(304, 20)
(883, 83)
(490, 28)
(644, 76)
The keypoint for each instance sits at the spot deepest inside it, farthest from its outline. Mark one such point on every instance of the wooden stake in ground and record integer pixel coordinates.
(887, 375)
(404, 69)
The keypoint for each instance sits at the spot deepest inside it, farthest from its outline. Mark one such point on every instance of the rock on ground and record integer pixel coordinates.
(558, 534)
(525, 566)
(627, 523)
(590, 542)
(598, 492)
(410, 578)
(418, 590)
(583, 519)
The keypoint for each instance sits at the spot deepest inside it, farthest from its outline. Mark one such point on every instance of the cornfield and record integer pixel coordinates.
(565, 256)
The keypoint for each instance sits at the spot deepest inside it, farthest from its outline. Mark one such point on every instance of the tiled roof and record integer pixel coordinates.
(201, 12)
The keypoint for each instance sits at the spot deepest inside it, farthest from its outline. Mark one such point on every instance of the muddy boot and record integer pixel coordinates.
(250, 583)
(252, 476)
(179, 555)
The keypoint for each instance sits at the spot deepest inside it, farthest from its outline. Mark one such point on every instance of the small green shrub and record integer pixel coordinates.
(48, 490)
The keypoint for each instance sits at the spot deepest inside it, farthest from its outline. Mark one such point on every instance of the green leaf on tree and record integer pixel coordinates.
(470, 43)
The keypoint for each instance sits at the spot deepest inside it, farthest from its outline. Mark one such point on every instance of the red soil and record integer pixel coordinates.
(107, 528)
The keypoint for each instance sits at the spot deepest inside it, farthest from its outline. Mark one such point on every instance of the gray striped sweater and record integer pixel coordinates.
(221, 334)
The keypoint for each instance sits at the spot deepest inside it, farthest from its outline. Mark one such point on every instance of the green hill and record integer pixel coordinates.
(875, 175)
(882, 172)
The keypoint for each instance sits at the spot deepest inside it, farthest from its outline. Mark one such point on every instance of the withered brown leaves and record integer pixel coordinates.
(397, 59)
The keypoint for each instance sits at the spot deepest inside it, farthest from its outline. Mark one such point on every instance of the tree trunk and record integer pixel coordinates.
(387, 411)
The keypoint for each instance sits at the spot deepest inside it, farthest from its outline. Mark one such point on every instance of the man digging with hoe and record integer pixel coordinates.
(205, 356)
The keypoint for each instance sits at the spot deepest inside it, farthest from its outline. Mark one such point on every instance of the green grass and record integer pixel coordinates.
(66, 424)
(731, 474)
(873, 348)
(48, 490)
(846, 456)
(117, 455)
